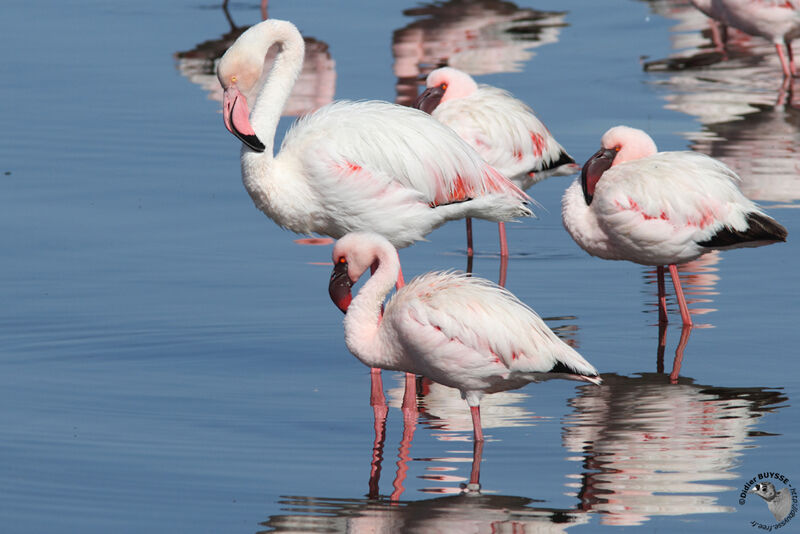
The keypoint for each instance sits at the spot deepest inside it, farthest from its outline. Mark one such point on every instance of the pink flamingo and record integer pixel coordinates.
(351, 165)
(660, 208)
(463, 332)
(504, 130)
(775, 20)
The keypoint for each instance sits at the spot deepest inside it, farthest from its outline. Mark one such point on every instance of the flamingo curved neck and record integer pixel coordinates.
(363, 319)
(287, 66)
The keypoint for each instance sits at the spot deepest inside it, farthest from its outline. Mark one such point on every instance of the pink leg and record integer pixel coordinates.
(787, 71)
(676, 365)
(792, 66)
(376, 397)
(503, 243)
(476, 422)
(469, 237)
(503, 271)
(676, 281)
(662, 296)
(475, 475)
(662, 344)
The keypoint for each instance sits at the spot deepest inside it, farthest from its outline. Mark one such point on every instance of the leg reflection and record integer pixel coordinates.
(409, 426)
(380, 412)
(676, 365)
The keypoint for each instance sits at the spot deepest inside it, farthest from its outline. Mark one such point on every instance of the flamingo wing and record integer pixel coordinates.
(683, 197)
(457, 323)
(503, 129)
(394, 148)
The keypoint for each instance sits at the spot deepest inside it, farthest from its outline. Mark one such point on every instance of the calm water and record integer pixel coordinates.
(170, 360)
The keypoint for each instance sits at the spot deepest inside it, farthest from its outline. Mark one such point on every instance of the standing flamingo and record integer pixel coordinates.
(351, 165)
(775, 20)
(463, 332)
(504, 130)
(660, 208)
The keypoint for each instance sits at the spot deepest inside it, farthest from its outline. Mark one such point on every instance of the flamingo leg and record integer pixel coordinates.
(673, 272)
(662, 296)
(469, 237)
(376, 397)
(792, 66)
(475, 475)
(676, 365)
(787, 71)
(501, 226)
(501, 281)
(476, 422)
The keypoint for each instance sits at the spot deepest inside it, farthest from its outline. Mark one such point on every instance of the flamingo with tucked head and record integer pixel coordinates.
(464, 332)
(503, 130)
(634, 203)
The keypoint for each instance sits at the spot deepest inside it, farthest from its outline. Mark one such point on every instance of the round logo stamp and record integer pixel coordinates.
(774, 495)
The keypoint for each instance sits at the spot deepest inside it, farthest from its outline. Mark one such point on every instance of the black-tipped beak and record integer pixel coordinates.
(429, 99)
(340, 285)
(593, 169)
(251, 140)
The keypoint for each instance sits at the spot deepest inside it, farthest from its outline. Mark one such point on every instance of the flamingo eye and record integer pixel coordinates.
(341, 260)
(616, 148)
(443, 86)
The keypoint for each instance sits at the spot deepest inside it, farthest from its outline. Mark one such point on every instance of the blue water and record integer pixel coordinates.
(170, 360)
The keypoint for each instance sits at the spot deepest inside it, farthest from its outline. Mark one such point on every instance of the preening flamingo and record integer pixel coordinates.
(504, 130)
(660, 208)
(351, 165)
(461, 331)
(775, 20)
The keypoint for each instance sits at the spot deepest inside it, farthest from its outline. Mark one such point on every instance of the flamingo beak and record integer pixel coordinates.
(236, 115)
(340, 285)
(429, 99)
(593, 169)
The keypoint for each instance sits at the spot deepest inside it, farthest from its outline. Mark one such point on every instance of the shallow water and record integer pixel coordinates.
(169, 357)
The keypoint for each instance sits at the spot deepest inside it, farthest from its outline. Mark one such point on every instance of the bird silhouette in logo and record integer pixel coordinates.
(778, 502)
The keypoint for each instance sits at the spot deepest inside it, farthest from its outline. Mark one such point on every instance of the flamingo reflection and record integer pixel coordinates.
(476, 36)
(315, 87)
(744, 124)
(649, 448)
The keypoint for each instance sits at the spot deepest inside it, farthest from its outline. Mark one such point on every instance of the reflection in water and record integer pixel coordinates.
(651, 448)
(315, 86)
(455, 513)
(476, 36)
(699, 280)
(750, 115)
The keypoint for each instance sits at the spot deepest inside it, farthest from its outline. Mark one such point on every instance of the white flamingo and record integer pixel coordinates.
(463, 332)
(351, 165)
(503, 130)
(775, 20)
(660, 208)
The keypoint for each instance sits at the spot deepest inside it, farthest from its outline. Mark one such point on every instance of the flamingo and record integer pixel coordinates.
(351, 165)
(660, 208)
(775, 20)
(504, 130)
(460, 331)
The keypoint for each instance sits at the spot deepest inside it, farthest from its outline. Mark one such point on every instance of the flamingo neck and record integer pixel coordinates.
(363, 320)
(286, 68)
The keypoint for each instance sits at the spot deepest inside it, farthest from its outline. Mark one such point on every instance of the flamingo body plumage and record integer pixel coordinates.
(504, 130)
(351, 165)
(461, 331)
(660, 208)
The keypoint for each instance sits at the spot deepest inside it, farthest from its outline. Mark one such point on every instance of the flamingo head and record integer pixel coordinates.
(618, 145)
(353, 254)
(442, 85)
(238, 72)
